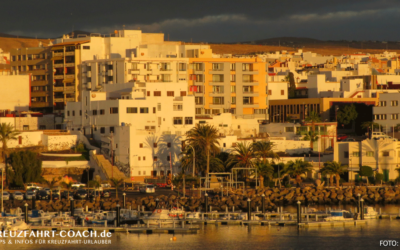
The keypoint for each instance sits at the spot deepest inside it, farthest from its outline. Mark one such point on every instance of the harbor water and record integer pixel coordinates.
(233, 237)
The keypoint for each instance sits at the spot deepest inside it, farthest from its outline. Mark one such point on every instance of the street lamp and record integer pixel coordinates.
(194, 158)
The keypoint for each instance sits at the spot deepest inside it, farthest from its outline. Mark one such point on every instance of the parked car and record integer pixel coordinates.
(31, 185)
(42, 195)
(147, 189)
(55, 194)
(17, 195)
(105, 185)
(105, 194)
(29, 195)
(64, 195)
(47, 190)
(341, 137)
(349, 139)
(33, 189)
(6, 196)
(81, 194)
(78, 185)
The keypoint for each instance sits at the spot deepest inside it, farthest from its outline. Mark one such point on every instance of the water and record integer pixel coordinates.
(254, 237)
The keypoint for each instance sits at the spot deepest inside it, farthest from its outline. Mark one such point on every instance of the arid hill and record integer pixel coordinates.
(8, 43)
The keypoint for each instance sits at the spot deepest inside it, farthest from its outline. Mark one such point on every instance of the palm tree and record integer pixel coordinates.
(313, 117)
(68, 186)
(297, 168)
(51, 184)
(242, 155)
(7, 133)
(369, 125)
(205, 137)
(264, 170)
(116, 183)
(334, 168)
(93, 183)
(263, 149)
(312, 137)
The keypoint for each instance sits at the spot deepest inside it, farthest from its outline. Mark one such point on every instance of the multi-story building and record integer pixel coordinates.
(147, 122)
(381, 155)
(386, 113)
(234, 85)
(15, 93)
(37, 63)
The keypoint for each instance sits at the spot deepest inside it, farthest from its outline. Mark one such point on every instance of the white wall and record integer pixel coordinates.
(59, 142)
(291, 147)
(28, 139)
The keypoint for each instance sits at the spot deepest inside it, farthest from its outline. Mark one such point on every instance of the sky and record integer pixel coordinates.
(206, 20)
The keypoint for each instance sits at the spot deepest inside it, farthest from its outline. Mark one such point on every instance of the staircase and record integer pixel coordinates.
(109, 170)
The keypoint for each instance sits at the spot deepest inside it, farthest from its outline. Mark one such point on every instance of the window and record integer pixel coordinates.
(224, 145)
(217, 66)
(198, 111)
(382, 104)
(138, 172)
(111, 129)
(247, 66)
(169, 144)
(144, 158)
(269, 92)
(218, 89)
(80, 112)
(233, 100)
(370, 153)
(183, 93)
(73, 112)
(356, 154)
(380, 117)
(233, 89)
(394, 103)
(188, 120)
(86, 47)
(248, 100)
(234, 144)
(395, 116)
(385, 153)
(346, 154)
(140, 145)
(157, 93)
(218, 100)
(182, 66)
(289, 129)
(131, 110)
(148, 93)
(155, 158)
(138, 158)
(217, 78)
(282, 92)
(19, 140)
(102, 130)
(158, 106)
(144, 110)
(178, 107)
(94, 112)
(102, 112)
(155, 144)
(260, 111)
(170, 93)
(168, 158)
(114, 110)
(41, 127)
(178, 120)
(68, 113)
(247, 89)
(233, 67)
(198, 100)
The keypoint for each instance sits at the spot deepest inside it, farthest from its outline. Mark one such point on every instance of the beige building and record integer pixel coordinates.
(14, 93)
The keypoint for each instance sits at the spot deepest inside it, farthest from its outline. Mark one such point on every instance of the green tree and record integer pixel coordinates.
(369, 125)
(204, 137)
(366, 171)
(242, 156)
(67, 186)
(313, 117)
(398, 175)
(297, 168)
(292, 85)
(116, 183)
(312, 137)
(334, 168)
(51, 184)
(347, 114)
(26, 167)
(264, 149)
(265, 170)
(7, 133)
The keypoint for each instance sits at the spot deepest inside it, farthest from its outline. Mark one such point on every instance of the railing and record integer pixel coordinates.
(165, 69)
(58, 76)
(39, 104)
(58, 65)
(58, 99)
(70, 99)
(71, 53)
(253, 103)
(59, 54)
(58, 88)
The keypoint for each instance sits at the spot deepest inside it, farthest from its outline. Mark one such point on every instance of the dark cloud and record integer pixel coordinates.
(206, 20)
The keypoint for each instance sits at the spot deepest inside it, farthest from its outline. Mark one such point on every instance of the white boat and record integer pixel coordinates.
(194, 215)
(243, 216)
(164, 216)
(370, 213)
(339, 215)
(313, 210)
(38, 216)
(18, 226)
(62, 221)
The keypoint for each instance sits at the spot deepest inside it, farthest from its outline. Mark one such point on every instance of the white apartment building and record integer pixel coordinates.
(386, 114)
(381, 155)
(147, 122)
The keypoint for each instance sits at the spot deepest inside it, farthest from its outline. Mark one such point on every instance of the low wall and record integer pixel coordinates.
(59, 142)
(291, 146)
(63, 164)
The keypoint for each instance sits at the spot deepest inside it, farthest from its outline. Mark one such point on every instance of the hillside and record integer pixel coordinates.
(323, 49)
(6, 43)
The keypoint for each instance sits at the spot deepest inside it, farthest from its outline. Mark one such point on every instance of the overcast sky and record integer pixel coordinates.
(208, 20)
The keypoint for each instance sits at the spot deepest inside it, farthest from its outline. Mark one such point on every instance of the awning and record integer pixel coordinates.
(68, 80)
(57, 58)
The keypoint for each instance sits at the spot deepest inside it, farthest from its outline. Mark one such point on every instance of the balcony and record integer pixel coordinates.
(58, 77)
(58, 99)
(133, 71)
(40, 104)
(250, 93)
(217, 105)
(58, 54)
(38, 71)
(70, 88)
(165, 69)
(70, 65)
(250, 105)
(38, 93)
(39, 83)
(70, 99)
(216, 83)
(250, 83)
(70, 53)
(70, 76)
(58, 89)
(58, 65)
(216, 94)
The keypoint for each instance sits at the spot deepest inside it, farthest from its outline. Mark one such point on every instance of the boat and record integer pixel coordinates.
(313, 210)
(63, 220)
(39, 215)
(370, 213)
(13, 224)
(193, 215)
(339, 215)
(163, 216)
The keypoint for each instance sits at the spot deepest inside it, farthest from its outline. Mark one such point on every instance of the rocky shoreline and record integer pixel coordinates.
(274, 197)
